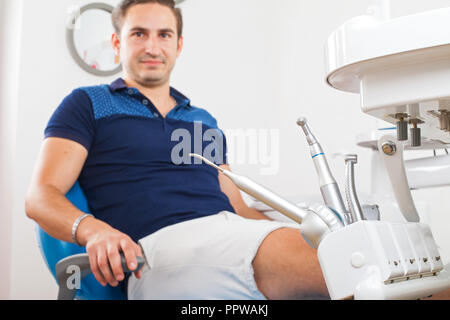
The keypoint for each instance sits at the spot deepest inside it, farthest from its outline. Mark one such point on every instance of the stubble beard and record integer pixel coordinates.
(149, 77)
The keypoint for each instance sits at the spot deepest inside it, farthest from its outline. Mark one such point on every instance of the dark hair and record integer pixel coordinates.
(121, 9)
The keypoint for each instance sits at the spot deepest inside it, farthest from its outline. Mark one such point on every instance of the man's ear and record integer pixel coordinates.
(180, 46)
(115, 42)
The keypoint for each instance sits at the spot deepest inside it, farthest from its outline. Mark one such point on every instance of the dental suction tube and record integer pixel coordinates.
(261, 193)
(328, 185)
(315, 223)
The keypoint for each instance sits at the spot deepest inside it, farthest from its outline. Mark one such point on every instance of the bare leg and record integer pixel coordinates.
(286, 268)
(445, 295)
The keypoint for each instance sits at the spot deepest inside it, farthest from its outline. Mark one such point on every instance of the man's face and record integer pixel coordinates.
(148, 44)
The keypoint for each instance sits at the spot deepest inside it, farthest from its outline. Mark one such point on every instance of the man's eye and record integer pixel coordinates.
(138, 34)
(165, 35)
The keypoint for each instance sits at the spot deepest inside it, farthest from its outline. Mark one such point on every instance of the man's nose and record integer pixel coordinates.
(151, 46)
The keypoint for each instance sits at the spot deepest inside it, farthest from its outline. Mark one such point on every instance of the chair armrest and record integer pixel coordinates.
(66, 292)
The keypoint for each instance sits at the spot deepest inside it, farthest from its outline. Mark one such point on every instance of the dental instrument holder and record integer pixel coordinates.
(377, 259)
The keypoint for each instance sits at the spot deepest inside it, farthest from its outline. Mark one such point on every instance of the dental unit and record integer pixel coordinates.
(401, 69)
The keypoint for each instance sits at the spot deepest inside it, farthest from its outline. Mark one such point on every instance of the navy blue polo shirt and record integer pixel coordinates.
(138, 176)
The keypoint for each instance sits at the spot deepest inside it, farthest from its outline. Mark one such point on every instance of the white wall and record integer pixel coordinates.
(10, 26)
(253, 64)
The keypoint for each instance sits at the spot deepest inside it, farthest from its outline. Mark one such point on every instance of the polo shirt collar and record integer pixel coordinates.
(181, 99)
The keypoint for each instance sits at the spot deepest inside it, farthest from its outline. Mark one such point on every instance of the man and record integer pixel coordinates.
(199, 237)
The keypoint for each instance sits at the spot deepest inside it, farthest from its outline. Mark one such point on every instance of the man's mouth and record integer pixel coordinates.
(152, 62)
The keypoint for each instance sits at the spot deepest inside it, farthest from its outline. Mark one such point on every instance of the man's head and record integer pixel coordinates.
(148, 39)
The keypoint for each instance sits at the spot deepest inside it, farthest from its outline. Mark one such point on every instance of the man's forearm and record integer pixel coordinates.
(54, 213)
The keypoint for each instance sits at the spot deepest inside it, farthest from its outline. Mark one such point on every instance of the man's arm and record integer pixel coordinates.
(58, 167)
(234, 195)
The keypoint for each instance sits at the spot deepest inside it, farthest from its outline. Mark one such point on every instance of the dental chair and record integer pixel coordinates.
(61, 256)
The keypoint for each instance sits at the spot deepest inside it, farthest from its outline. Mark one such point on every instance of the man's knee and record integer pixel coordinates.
(286, 267)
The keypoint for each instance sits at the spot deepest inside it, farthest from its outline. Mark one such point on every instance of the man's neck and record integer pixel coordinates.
(158, 95)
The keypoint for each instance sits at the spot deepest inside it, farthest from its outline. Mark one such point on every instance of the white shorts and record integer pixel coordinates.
(203, 259)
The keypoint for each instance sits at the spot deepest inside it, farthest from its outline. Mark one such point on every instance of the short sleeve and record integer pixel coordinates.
(225, 150)
(220, 141)
(219, 155)
(73, 120)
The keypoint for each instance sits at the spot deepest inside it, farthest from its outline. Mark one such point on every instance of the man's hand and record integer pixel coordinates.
(104, 245)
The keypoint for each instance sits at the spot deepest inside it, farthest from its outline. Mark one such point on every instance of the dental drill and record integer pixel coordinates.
(328, 185)
(315, 225)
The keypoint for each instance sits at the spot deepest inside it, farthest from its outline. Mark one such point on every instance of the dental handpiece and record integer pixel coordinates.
(261, 193)
(328, 185)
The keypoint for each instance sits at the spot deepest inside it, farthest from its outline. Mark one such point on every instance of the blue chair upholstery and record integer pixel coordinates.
(54, 250)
